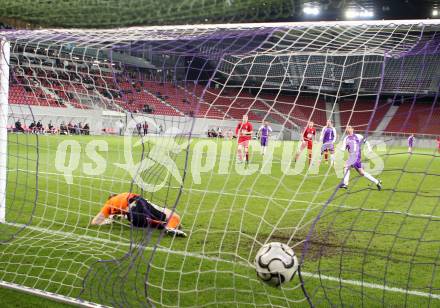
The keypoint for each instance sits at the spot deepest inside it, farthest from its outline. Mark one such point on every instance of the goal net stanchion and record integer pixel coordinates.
(4, 90)
(198, 78)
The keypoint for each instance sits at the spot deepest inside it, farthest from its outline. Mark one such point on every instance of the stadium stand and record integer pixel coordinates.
(299, 109)
(34, 97)
(358, 113)
(422, 118)
(233, 103)
(135, 98)
(32, 87)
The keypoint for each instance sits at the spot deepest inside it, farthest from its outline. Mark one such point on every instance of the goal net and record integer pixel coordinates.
(114, 13)
(153, 111)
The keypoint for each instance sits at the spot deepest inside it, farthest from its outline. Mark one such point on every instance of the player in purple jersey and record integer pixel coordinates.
(328, 139)
(353, 142)
(410, 143)
(264, 134)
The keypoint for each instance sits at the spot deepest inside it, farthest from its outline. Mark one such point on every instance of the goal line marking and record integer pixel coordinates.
(356, 283)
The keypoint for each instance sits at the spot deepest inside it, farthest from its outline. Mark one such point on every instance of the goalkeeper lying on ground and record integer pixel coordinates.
(140, 212)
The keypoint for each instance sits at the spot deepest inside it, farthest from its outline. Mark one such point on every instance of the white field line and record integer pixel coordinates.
(356, 283)
(348, 207)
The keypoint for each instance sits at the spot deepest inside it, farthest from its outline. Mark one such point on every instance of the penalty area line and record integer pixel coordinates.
(356, 283)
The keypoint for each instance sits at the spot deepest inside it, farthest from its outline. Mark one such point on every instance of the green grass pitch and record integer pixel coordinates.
(364, 240)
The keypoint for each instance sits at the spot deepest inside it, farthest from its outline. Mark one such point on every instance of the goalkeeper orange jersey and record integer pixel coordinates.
(117, 204)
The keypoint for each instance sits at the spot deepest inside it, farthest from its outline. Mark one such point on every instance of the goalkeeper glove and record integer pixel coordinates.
(107, 221)
(175, 232)
(117, 217)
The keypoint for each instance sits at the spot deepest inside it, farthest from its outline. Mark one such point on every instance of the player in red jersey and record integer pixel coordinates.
(243, 131)
(307, 141)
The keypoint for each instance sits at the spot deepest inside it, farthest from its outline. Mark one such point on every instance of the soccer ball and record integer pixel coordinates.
(276, 263)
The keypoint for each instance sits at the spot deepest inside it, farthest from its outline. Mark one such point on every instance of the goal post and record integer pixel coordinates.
(4, 90)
